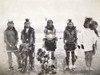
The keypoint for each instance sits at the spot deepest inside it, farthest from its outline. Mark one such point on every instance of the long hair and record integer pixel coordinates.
(14, 29)
(92, 27)
(86, 21)
(48, 26)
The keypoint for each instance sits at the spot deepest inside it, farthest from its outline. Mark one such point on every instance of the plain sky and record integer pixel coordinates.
(57, 10)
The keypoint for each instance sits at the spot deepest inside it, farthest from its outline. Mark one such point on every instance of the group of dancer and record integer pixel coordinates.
(88, 42)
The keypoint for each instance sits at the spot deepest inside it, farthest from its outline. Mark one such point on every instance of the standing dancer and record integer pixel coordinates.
(70, 41)
(11, 40)
(88, 40)
(28, 36)
(50, 42)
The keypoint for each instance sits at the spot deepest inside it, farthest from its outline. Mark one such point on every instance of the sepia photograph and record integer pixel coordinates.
(49, 37)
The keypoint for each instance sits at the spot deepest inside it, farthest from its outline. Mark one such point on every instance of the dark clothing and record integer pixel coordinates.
(70, 36)
(74, 57)
(28, 37)
(50, 45)
(70, 40)
(11, 38)
(69, 46)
